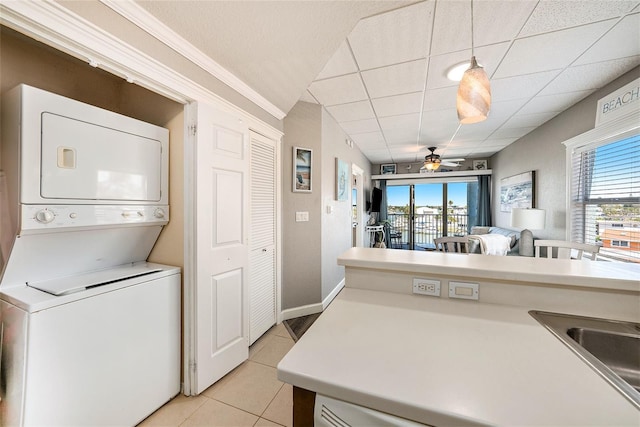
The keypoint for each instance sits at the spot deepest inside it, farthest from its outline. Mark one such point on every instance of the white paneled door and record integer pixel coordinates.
(263, 226)
(219, 329)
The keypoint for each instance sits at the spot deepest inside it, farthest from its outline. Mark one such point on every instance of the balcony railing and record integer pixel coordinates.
(427, 228)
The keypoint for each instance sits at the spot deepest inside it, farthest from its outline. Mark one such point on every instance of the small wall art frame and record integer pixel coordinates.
(342, 180)
(480, 165)
(302, 170)
(518, 191)
(388, 169)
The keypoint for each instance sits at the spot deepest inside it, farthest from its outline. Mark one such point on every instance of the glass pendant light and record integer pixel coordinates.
(474, 92)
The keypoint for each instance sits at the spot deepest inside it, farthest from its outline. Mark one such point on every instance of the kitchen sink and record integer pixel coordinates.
(610, 347)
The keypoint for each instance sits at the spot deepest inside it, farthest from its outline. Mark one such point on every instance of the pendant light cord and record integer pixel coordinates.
(472, 28)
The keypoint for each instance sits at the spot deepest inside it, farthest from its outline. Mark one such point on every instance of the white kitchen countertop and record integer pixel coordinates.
(446, 362)
(600, 274)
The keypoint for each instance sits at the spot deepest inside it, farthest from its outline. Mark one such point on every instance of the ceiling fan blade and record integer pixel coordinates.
(451, 162)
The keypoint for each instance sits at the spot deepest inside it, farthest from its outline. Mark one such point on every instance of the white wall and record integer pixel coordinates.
(542, 151)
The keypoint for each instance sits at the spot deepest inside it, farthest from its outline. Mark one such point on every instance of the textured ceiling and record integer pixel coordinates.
(379, 67)
(275, 47)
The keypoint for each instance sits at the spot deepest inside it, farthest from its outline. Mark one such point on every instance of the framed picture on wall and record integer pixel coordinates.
(480, 165)
(388, 169)
(342, 180)
(518, 191)
(302, 162)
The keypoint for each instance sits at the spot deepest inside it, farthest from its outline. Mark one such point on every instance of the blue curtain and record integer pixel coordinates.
(484, 200)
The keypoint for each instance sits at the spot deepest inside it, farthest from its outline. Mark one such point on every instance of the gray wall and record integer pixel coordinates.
(310, 249)
(542, 151)
(301, 241)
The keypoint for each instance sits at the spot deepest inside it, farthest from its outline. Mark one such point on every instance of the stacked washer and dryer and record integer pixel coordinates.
(90, 331)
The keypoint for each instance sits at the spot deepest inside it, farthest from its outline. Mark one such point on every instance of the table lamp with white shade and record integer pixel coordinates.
(527, 220)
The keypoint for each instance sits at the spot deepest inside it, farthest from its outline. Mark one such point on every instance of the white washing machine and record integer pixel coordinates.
(90, 332)
(107, 355)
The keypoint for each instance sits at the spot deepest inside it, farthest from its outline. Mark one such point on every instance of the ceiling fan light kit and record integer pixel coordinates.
(432, 161)
(474, 92)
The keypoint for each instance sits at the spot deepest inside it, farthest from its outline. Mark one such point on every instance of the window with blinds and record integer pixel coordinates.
(605, 197)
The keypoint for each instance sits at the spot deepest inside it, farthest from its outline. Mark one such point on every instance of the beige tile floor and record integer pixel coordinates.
(250, 395)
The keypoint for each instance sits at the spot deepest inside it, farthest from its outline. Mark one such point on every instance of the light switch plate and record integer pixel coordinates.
(464, 290)
(302, 216)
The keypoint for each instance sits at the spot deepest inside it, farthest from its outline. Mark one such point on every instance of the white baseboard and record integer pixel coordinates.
(334, 293)
(305, 310)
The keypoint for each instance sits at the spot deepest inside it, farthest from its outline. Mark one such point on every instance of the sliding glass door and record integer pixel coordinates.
(418, 213)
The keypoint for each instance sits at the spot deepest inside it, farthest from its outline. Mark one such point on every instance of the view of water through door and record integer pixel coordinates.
(419, 213)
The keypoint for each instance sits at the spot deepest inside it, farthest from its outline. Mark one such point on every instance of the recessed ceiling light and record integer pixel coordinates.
(455, 72)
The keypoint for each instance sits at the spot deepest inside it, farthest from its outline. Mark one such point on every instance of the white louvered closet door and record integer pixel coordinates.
(262, 258)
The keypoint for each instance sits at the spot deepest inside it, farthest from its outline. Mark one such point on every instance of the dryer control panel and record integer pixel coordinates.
(48, 217)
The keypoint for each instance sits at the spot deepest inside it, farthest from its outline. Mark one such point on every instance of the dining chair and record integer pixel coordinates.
(566, 250)
(452, 244)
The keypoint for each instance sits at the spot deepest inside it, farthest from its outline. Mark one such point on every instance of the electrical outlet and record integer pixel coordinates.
(426, 287)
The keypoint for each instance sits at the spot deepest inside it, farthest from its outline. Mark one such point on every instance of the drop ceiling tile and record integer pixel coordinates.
(398, 36)
(456, 144)
(518, 87)
(557, 103)
(550, 51)
(589, 77)
(520, 121)
(396, 79)
(558, 14)
(368, 138)
(497, 144)
(511, 16)
(484, 153)
(401, 136)
(501, 111)
(307, 97)
(372, 146)
(440, 99)
(438, 126)
(379, 156)
(475, 132)
(452, 27)
(406, 153)
(360, 126)
(352, 111)
(487, 56)
(399, 104)
(504, 133)
(622, 41)
(411, 121)
(341, 63)
(338, 90)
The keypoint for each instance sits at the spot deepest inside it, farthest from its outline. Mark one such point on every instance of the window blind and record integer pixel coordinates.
(605, 197)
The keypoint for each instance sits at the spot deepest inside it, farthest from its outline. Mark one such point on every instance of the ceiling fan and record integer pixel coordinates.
(432, 162)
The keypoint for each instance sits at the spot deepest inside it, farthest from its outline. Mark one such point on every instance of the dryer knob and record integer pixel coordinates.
(44, 216)
(159, 213)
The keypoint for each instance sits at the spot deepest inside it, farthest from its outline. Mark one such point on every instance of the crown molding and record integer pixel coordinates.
(58, 27)
(156, 28)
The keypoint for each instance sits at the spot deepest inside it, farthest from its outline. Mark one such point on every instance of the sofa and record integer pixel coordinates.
(474, 244)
